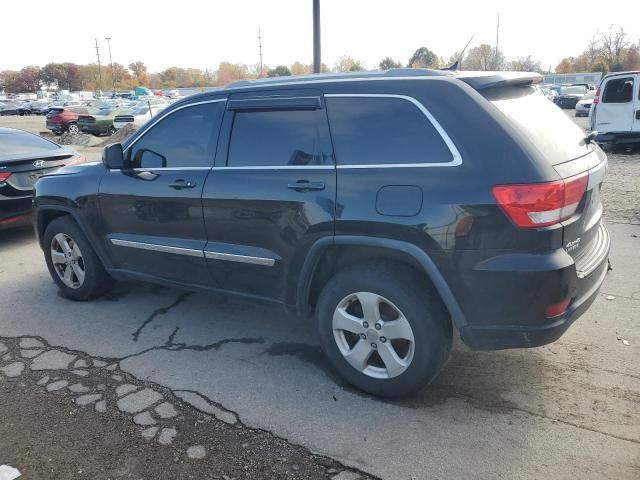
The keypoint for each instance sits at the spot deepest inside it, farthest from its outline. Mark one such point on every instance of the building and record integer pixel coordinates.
(592, 78)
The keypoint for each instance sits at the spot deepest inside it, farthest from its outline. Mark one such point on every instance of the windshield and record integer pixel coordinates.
(589, 95)
(140, 110)
(576, 90)
(20, 143)
(549, 129)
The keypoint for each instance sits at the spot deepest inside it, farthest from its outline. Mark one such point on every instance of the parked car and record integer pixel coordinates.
(615, 112)
(64, 119)
(98, 122)
(550, 94)
(137, 117)
(9, 108)
(569, 95)
(24, 157)
(584, 105)
(365, 201)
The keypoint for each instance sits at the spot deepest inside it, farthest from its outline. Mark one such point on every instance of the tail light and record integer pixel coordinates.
(596, 97)
(556, 309)
(3, 177)
(541, 204)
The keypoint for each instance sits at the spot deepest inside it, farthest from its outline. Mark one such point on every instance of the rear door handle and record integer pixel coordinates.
(180, 184)
(305, 186)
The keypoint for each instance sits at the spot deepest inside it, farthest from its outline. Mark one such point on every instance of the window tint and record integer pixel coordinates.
(618, 90)
(368, 130)
(276, 138)
(186, 138)
(19, 143)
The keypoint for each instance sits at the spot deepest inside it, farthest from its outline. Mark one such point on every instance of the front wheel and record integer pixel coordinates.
(383, 328)
(72, 263)
(73, 129)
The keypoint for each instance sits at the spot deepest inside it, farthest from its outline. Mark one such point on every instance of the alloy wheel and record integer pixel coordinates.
(373, 335)
(67, 260)
(73, 129)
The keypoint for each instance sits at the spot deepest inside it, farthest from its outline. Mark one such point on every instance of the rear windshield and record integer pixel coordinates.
(545, 125)
(20, 143)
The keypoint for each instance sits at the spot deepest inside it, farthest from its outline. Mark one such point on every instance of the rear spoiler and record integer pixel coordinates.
(484, 80)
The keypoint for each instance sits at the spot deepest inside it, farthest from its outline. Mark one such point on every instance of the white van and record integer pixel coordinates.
(615, 114)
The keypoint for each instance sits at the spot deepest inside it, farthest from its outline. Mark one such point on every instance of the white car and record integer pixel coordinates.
(584, 105)
(138, 116)
(615, 113)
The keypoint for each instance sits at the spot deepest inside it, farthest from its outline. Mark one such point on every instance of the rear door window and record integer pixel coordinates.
(276, 138)
(383, 131)
(618, 90)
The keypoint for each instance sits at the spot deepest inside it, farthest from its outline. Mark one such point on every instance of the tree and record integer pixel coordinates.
(484, 57)
(524, 64)
(388, 62)
(299, 69)
(613, 43)
(565, 65)
(63, 76)
(231, 72)
(424, 58)
(632, 58)
(279, 71)
(140, 73)
(348, 64)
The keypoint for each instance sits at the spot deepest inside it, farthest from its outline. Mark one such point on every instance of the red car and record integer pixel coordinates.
(64, 119)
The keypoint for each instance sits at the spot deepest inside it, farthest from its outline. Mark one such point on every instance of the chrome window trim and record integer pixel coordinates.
(177, 109)
(230, 257)
(456, 159)
(276, 97)
(154, 247)
(275, 167)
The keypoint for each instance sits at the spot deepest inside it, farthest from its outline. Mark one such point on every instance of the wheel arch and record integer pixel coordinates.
(44, 215)
(320, 265)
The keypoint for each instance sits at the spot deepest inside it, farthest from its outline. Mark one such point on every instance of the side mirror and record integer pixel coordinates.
(113, 156)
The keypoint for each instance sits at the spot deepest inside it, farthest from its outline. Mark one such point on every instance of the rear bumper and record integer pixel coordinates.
(618, 137)
(515, 336)
(14, 207)
(510, 297)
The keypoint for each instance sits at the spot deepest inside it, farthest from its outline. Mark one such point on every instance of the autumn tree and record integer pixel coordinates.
(140, 73)
(300, 69)
(231, 72)
(63, 76)
(613, 43)
(632, 58)
(424, 58)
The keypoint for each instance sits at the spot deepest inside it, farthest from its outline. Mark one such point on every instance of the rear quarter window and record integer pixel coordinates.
(546, 127)
(21, 143)
(383, 131)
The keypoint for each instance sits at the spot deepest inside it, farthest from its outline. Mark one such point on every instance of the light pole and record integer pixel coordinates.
(113, 75)
(316, 37)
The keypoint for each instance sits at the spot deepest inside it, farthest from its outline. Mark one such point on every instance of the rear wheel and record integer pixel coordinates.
(72, 263)
(73, 129)
(383, 328)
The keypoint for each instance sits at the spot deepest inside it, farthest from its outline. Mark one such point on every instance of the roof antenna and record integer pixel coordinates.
(458, 62)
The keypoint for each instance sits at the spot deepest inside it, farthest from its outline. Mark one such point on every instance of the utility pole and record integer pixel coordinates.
(497, 39)
(113, 73)
(260, 49)
(99, 70)
(316, 37)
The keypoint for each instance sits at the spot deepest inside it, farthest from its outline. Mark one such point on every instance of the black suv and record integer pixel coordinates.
(393, 206)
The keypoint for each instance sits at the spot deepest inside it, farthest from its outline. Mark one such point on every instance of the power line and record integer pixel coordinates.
(99, 70)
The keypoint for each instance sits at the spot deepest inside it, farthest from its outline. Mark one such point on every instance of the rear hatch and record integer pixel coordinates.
(573, 199)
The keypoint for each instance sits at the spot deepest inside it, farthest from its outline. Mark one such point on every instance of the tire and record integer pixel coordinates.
(402, 298)
(111, 131)
(96, 281)
(72, 128)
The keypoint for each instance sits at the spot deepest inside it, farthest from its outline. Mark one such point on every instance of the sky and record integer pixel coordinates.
(200, 34)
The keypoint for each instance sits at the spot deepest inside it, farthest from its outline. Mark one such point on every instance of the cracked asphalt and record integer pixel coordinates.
(238, 372)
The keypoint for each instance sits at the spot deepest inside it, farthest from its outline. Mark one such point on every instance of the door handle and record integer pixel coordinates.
(305, 186)
(180, 184)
